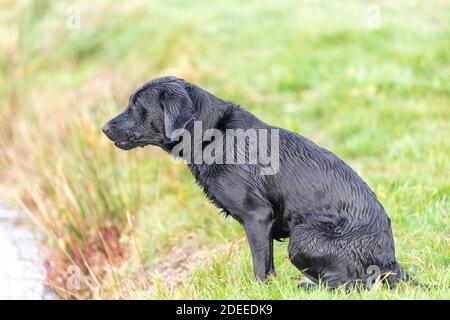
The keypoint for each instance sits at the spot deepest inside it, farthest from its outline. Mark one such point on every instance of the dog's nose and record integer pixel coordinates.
(106, 128)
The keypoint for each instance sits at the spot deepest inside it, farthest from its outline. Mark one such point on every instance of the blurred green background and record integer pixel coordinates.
(368, 80)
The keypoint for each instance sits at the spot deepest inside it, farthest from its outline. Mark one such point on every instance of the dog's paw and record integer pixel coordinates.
(307, 285)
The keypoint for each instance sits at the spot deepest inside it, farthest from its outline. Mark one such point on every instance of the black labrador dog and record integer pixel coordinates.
(339, 232)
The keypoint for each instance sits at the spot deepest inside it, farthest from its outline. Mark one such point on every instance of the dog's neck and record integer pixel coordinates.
(211, 111)
(209, 108)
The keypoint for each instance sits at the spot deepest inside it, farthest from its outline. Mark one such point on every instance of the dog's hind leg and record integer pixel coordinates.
(318, 258)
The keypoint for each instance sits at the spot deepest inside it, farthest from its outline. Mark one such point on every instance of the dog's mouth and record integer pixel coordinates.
(125, 145)
(131, 143)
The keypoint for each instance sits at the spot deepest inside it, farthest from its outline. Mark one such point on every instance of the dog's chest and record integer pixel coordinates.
(207, 176)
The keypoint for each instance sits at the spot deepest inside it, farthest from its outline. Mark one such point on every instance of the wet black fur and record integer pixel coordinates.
(336, 225)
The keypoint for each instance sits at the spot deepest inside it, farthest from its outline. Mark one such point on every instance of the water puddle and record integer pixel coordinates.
(22, 273)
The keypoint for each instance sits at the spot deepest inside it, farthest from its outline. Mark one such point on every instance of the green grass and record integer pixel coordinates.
(379, 99)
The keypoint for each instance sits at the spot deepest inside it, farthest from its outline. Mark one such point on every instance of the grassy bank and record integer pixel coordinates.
(135, 223)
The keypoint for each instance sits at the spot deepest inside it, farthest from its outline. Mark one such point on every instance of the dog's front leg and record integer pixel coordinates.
(258, 227)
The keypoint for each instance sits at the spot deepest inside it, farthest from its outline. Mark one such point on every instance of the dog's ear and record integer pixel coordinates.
(178, 108)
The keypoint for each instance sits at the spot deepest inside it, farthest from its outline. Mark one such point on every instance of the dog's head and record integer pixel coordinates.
(154, 112)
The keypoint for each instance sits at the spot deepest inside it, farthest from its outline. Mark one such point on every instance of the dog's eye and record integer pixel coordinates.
(134, 109)
(138, 111)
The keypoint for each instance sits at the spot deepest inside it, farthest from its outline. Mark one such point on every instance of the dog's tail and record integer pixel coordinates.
(398, 275)
(412, 281)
